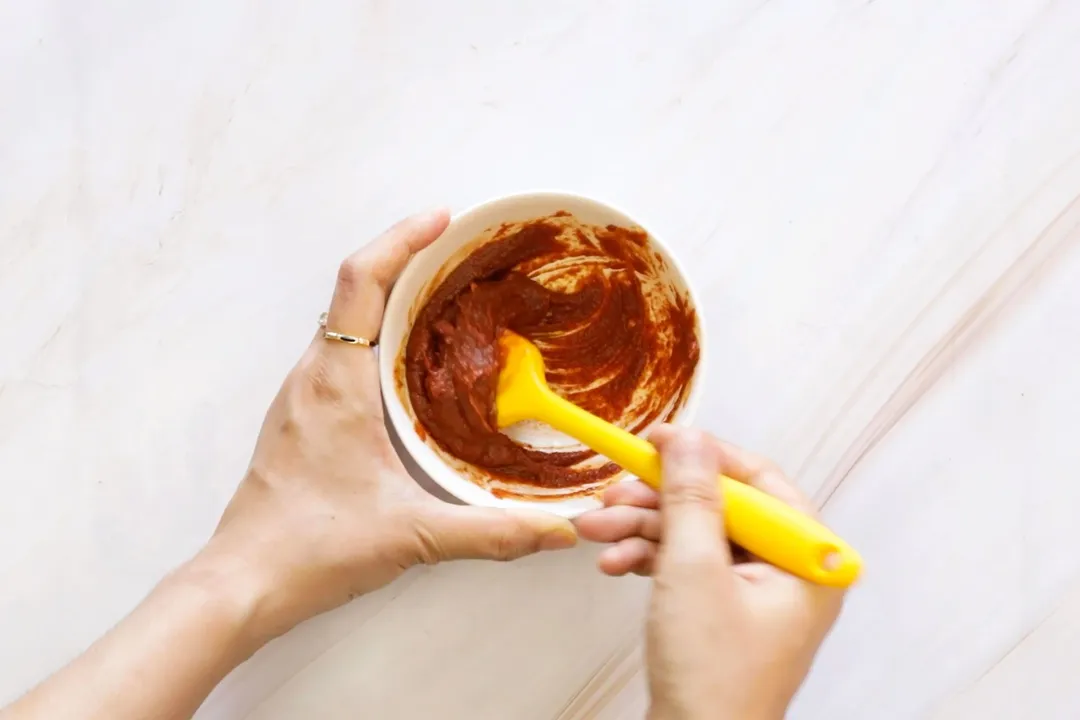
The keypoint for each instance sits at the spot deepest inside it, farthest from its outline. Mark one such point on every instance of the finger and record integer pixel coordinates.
(762, 474)
(365, 276)
(633, 555)
(633, 493)
(766, 476)
(619, 522)
(693, 529)
(452, 532)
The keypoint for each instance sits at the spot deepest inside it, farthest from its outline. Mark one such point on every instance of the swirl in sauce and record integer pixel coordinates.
(616, 339)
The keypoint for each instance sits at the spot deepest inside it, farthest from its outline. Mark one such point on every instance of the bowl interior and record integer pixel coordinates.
(427, 269)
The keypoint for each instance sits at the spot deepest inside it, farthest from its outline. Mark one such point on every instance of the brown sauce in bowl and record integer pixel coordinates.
(616, 338)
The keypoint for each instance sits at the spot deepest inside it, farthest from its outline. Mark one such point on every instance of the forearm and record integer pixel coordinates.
(162, 660)
(716, 711)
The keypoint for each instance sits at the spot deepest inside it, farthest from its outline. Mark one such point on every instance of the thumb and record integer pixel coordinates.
(454, 532)
(690, 507)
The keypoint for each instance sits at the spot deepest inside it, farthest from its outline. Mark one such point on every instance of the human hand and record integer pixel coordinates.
(723, 639)
(326, 511)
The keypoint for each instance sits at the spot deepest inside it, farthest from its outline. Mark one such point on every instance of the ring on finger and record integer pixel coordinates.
(342, 337)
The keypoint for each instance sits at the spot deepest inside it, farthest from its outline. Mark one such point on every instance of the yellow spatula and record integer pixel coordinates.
(756, 521)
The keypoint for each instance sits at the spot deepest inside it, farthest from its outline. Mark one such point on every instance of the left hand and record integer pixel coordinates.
(327, 511)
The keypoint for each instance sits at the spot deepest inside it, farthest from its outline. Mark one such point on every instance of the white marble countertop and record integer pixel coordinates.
(879, 201)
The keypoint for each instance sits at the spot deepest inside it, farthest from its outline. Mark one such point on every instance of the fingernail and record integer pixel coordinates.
(560, 539)
(689, 448)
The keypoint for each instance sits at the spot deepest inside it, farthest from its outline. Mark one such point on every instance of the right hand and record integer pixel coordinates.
(723, 639)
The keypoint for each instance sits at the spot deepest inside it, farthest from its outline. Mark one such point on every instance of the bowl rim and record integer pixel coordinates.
(398, 304)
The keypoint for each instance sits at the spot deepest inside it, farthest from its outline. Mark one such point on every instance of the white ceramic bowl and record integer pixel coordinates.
(414, 286)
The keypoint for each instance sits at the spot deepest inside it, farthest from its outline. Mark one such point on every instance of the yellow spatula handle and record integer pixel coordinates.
(756, 521)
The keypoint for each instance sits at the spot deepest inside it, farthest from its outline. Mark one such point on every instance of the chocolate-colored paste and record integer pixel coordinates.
(615, 339)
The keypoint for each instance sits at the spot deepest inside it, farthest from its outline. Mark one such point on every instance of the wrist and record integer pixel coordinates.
(231, 594)
(716, 711)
